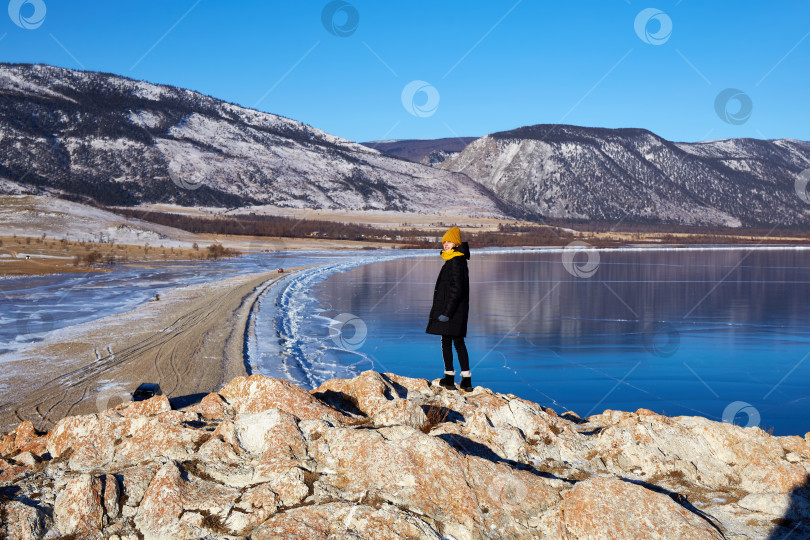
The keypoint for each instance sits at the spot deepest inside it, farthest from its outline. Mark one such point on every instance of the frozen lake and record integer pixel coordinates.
(720, 333)
(30, 307)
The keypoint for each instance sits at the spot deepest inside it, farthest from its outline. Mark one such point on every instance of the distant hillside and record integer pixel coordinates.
(125, 142)
(425, 151)
(625, 175)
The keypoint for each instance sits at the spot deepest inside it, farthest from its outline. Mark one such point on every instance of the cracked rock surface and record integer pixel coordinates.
(384, 456)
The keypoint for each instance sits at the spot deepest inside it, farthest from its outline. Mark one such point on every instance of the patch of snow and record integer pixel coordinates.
(11, 81)
(148, 91)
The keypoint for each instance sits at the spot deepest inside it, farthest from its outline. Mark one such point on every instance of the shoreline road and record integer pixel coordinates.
(191, 342)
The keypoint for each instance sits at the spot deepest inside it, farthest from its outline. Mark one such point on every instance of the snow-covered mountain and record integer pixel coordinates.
(632, 174)
(124, 142)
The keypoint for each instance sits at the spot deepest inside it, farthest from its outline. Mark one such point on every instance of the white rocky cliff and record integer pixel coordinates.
(383, 456)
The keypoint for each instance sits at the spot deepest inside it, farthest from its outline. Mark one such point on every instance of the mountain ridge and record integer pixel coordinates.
(425, 151)
(604, 174)
(121, 141)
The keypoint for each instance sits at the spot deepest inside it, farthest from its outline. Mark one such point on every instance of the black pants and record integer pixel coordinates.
(461, 350)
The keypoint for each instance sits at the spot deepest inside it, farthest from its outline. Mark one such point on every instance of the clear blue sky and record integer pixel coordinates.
(494, 65)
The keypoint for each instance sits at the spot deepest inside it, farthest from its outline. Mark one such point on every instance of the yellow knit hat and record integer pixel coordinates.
(453, 234)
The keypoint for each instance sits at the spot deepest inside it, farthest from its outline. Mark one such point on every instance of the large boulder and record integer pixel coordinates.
(342, 520)
(23, 521)
(257, 393)
(79, 509)
(612, 509)
(176, 507)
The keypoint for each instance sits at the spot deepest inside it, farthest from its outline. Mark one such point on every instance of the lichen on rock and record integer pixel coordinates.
(386, 456)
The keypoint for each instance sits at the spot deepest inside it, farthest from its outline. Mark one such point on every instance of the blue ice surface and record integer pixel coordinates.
(714, 332)
(31, 307)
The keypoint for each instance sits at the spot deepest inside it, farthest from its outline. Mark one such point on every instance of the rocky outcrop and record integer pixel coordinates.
(384, 456)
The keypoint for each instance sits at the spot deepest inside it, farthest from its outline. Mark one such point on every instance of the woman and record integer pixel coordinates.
(451, 302)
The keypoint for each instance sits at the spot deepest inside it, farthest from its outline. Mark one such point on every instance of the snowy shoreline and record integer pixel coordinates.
(275, 344)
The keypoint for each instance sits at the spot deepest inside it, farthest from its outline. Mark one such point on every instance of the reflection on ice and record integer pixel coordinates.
(676, 331)
(651, 328)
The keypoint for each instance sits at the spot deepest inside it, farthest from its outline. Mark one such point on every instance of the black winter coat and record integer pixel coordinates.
(451, 297)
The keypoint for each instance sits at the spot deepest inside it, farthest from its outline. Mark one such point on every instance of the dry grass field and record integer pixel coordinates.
(43, 235)
(25, 255)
